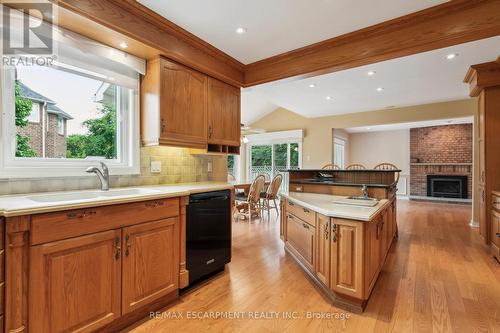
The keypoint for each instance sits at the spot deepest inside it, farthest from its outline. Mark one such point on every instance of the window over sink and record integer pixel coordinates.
(61, 117)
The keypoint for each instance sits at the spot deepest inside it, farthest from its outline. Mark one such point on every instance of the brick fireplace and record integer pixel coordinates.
(441, 161)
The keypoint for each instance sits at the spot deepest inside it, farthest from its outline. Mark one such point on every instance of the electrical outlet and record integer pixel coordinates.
(155, 166)
(209, 167)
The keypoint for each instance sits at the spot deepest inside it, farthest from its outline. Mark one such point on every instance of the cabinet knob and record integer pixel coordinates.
(306, 210)
(162, 125)
(498, 234)
(127, 249)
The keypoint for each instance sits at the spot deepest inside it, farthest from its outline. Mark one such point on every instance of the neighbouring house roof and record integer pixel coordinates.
(51, 108)
(28, 93)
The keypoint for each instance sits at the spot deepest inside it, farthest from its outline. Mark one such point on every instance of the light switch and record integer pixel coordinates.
(155, 166)
(209, 167)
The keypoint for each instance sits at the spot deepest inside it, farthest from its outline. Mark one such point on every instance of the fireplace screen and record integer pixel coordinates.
(445, 186)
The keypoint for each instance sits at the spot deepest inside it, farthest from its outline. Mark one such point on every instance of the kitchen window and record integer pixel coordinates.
(58, 119)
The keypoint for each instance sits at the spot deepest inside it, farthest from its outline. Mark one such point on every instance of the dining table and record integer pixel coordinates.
(245, 186)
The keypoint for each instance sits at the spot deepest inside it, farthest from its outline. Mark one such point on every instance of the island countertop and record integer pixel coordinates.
(34, 203)
(323, 204)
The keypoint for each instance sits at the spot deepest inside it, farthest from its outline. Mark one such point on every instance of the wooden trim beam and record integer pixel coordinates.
(482, 76)
(451, 23)
(133, 20)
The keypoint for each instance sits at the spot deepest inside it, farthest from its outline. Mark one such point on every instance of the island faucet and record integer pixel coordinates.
(103, 176)
(364, 189)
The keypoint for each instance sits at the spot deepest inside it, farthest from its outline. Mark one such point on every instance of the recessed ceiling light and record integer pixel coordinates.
(328, 97)
(452, 56)
(241, 30)
(123, 45)
(371, 73)
(368, 128)
(380, 89)
(312, 85)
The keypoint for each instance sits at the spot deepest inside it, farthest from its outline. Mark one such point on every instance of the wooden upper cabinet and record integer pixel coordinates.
(75, 284)
(347, 257)
(150, 262)
(173, 105)
(224, 126)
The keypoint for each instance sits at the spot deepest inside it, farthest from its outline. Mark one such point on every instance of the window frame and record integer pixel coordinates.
(60, 125)
(37, 121)
(28, 167)
(342, 143)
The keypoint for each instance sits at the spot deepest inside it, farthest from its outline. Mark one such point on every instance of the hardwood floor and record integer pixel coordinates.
(437, 278)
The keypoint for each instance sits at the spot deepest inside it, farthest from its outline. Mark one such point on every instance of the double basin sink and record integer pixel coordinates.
(89, 195)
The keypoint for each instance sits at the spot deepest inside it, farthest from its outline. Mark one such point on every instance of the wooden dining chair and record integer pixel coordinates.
(355, 167)
(388, 166)
(271, 194)
(249, 206)
(331, 167)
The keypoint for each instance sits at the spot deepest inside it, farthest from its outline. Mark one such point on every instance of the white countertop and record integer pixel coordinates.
(323, 204)
(33, 203)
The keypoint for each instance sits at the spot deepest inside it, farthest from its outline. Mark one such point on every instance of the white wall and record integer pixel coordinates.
(372, 148)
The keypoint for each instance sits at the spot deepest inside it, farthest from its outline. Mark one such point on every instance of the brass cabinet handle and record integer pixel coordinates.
(498, 234)
(118, 248)
(290, 217)
(327, 226)
(154, 204)
(162, 125)
(291, 203)
(306, 210)
(334, 232)
(210, 132)
(305, 225)
(127, 249)
(81, 214)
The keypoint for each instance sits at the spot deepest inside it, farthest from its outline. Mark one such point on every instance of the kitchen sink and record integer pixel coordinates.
(77, 196)
(357, 201)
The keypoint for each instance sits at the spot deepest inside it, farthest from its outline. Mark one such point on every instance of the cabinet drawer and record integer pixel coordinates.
(495, 202)
(71, 223)
(303, 213)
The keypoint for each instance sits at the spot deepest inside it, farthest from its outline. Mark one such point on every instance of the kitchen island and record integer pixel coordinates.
(340, 244)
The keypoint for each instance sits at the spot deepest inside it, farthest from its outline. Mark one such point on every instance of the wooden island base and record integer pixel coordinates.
(342, 248)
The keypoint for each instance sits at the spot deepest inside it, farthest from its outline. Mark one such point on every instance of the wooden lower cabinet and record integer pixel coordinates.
(347, 257)
(99, 280)
(343, 256)
(495, 235)
(300, 237)
(150, 262)
(322, 268)
(75, 284)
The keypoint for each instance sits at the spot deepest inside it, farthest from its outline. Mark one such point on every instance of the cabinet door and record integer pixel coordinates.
(300, 236)
(150, 262)
(495, 228)
(323, 249)
(183, 106)
(224, 125)
(75, 284)
(347, 257)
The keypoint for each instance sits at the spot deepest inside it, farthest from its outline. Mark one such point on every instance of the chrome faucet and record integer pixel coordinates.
(365, 191)
(103, 176)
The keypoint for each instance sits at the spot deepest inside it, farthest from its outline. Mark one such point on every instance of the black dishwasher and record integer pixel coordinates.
(208, 234)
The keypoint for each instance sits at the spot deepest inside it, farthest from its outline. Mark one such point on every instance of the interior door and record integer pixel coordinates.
(75, 284)
(150, 262)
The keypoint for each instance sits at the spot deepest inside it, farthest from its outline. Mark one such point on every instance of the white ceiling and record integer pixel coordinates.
(404, 126)
(277, 26)
(419, 79)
